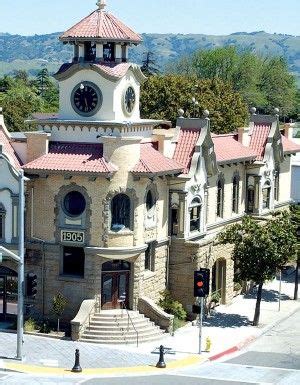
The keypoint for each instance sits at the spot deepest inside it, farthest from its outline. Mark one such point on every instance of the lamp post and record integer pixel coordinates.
(20, 260)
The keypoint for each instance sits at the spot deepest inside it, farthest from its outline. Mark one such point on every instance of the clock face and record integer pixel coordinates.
(86, 99)
(129, 100)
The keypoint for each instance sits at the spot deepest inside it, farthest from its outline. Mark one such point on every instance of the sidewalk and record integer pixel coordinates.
(229, 329)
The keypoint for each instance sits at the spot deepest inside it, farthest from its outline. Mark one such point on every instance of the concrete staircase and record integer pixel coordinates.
(112, 327)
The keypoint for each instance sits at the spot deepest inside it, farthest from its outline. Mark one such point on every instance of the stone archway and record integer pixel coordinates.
(219, 279)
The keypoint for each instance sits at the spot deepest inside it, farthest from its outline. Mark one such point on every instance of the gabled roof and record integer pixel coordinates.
(289, 147)
(153, 162)
(72, 157)
(259, 137)
(185, 148)
(101, 25)
(111, 71)
(8, 148)
(228, 148)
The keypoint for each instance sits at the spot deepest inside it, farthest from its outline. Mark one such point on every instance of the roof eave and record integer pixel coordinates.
(237, 160)
(153, 174)
(98, 39)
(31, 171)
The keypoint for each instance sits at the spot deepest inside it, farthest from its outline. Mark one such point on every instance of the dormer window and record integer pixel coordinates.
(89, 51)
(109, 52)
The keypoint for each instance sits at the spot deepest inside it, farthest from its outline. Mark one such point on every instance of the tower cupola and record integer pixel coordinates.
(100, 37)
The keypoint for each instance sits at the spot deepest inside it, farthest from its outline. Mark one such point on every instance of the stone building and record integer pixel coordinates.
(119, 208)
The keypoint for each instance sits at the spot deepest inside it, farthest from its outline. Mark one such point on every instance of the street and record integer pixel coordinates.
(272, 359)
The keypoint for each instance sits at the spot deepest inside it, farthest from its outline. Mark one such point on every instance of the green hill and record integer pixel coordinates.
(33, 52)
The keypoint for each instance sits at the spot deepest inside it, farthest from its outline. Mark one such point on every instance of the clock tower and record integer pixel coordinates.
(100, 84)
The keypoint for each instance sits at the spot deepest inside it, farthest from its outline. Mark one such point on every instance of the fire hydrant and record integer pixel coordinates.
(208, 344)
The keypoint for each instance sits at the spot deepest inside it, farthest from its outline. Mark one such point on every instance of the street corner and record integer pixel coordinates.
(152, 368)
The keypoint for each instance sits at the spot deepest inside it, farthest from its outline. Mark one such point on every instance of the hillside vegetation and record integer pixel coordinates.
(34, 52)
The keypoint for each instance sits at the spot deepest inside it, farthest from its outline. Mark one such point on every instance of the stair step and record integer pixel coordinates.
(137, 323)
(117, 333)
(121, 342)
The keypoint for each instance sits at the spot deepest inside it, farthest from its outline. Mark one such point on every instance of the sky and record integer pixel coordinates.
(211, 17)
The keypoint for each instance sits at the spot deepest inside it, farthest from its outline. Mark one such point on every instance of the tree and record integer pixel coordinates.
(18, 104)
(259, 250)
(163, 95)
(149, 64)
(43, 81)
(59, 303)
(263, 82)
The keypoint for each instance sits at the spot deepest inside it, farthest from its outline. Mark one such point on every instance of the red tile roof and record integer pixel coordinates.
(8, 149)
(153, 162)
(227, 148)
(259, 137)
(114, 70)
(289, 146)
(185, 147)
(101, 25)
(72, 157)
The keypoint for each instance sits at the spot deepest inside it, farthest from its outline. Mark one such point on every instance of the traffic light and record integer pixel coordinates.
(201, 282)
(31, 285)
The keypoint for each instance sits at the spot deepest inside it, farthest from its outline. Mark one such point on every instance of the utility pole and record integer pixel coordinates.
(21, 286)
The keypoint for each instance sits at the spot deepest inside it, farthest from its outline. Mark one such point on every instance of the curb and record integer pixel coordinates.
(253, 338)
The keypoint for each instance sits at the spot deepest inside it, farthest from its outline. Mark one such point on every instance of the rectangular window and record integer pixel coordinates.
(235, 195)
(150, 257)
(266, 198)
(73, 261)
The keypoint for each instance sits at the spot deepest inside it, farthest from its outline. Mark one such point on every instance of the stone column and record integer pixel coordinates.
(76, 53)
(182, 214)
(81, 52)
(99, 52)
(118, 53)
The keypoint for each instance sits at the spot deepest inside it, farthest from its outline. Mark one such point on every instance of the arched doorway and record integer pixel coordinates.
(219, 279)
(8, 293)
(115, 284)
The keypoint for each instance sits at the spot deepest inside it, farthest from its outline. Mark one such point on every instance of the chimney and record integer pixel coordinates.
(37, 144)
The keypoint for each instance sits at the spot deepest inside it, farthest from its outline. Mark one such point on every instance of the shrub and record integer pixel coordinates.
(237, 286)
(171, 306)
(30, 325)
(215, 297)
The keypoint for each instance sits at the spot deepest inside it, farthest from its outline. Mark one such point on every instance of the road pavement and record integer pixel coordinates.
(273, 359)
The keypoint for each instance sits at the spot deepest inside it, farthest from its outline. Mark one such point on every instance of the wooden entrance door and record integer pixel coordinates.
(115, 285)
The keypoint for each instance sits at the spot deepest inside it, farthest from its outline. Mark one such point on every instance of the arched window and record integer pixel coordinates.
(250, 199)
(120, 212)
(2, 222)
(266, 195)
(150, 202)
(235, 194)
(220, 198)
(276, 184)
(195, 214)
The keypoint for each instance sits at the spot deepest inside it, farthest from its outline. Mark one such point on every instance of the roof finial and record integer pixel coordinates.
(101, 4)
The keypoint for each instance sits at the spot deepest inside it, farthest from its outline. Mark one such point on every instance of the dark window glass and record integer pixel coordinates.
(109, 52)
(74, 203)
(220, 199)
(250, 199)
(195, 212)
(73, 261)
(116, 265)
(174, 219)
(89, 51)
(266, 197)
(235, 195)
(149, 257)
(120, 211)
(1, 226)
(149, 201)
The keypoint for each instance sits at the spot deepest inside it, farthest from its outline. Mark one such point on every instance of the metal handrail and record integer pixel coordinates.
(130, 319)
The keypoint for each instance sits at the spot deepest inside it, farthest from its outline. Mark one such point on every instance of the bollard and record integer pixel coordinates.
(161, 363)
(77, 367)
